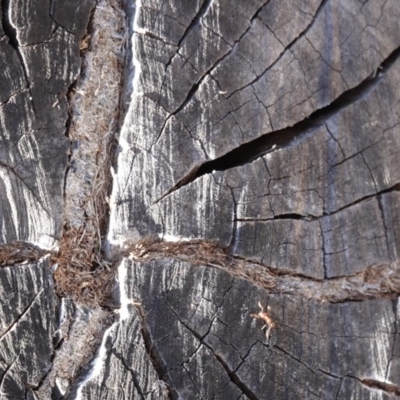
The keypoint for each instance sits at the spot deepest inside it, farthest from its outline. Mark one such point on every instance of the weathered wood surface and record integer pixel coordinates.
(28, 310)
(39, 61)
(267, 127)
(205, 345)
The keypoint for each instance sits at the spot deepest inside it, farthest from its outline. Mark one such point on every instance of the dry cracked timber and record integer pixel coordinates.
(199, 200)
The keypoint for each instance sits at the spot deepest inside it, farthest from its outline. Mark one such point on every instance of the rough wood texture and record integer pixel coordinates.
(206, 345)
(183, 115)
(28, 309)
(254, 212)
(39, 61)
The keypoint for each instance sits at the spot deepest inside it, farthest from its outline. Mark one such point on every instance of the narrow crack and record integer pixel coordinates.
(295, 359)
(385, 227)
(3, 376)
(11, 32)
(323, 250)
(232, 375)
(48, 372)
(193, 24)
(196, 20)
(288, 47)
(287, 137)
(193, 90)
(153, 356)
(131, 371)
(395, 304)
(22, 315)
(20, 179)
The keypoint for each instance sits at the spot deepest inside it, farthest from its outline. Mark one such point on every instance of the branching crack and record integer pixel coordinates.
(232, 375)
(131, 371)
(11, 32)
(288, 47)
(287, 137)
(193, 90)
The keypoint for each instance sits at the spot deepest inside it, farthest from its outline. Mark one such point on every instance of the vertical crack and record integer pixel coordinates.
(381, 209)
(288, 47)
(153, 356)
(396, 333)
(323, 250)
(272, 141)
(235, 222)
(196, 20)
(131, 371)
(11, 32)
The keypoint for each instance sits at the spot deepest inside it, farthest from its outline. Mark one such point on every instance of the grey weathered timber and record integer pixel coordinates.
(39, 61)
(182, 115)
(28, 309)
(230, 168)
(206, 345)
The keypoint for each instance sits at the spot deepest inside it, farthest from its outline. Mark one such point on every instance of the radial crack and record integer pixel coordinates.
(284, 138)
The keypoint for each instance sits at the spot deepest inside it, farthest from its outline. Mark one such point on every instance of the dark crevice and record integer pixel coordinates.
(153, 356)
(287, 137)
(133, 374)
(288, 47)
(323, 250)
(193, 90)
(8, 29)
(232, 375)
(232, 243)
(278, 217)
(394, 306)
(12, 170)
(196, 20)
(11, 33)
(394, 188)
(380, 205)
(24, 312)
